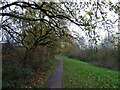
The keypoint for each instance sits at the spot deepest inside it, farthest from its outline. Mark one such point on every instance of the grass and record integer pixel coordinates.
(78, 74)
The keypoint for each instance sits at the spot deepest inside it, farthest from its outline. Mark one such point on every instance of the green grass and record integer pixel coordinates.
(78, 74)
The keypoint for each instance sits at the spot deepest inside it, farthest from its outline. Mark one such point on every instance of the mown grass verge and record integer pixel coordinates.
(78, 74)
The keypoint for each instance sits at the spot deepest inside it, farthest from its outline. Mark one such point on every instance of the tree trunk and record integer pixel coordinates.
(27, 58)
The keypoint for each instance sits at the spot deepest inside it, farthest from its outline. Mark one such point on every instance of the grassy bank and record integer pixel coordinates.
(78, 74)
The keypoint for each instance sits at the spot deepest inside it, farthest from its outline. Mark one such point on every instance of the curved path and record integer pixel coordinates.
(55, 80)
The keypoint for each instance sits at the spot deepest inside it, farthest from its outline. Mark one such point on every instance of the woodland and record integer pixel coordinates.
(35, 34)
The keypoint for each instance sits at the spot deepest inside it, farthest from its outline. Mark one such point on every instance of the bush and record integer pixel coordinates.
(14, 74)
(104, 57)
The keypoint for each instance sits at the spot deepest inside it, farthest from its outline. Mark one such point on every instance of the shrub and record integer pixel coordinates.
(14, 74)
(105, 57)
